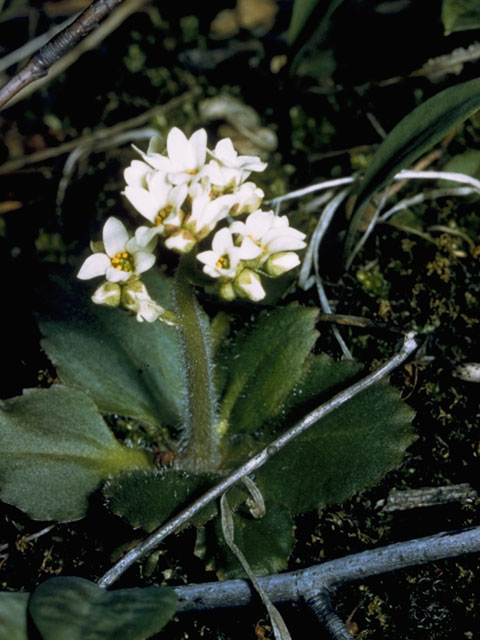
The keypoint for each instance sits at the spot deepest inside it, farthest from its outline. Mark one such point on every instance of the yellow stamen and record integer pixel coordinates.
(162, 214)
(223, 262)
(123, 261)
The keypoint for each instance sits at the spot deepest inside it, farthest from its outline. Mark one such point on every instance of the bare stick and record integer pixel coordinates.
(257, 461)
(39, 64)
(295, 586)
(321, 605)
(99, 136)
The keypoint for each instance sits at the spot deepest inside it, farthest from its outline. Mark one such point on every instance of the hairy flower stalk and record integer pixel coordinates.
(199, 446)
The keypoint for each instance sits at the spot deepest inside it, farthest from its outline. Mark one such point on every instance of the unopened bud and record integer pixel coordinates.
(108, 293)
(182, 241)
(279, 263)
(248, 285)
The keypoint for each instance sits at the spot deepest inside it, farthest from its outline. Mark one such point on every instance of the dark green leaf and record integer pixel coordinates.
(322, 379)
(128, 368)
(265, 542)
(148, 499)
(56, 450)
(264, 364)
(413, 136)
(302, 12)
(76, 609)
(460, 15)
(13, 615)
(348, 450)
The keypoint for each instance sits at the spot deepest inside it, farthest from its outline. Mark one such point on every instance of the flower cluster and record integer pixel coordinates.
(186, 195)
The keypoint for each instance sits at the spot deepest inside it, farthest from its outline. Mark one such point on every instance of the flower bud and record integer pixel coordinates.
(136, 298)
(182, 241)
(248, 285)
(226, 291)
(279, 263)
(108, 293)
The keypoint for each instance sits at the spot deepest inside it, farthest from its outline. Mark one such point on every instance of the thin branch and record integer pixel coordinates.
(52, 58)
(321, 605)
(257, 461)
(300, 585)
(32, 46)
(101, 135)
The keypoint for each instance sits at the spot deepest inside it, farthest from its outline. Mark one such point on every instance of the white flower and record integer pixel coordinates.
(226, 155)
(206, 213)
(263, 234)
(167, 215)
(185, 156)
(136, 298)
(123, 259)
(247, 199)
(222, 179)
(146, 189)
(223, 259)
(248, 285)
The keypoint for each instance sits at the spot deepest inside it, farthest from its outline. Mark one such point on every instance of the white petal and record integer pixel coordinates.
(157, 161)
(178, 195)
(198, 141)
(180, 152)
(259, 222)
(143, 201)
(94, 266)
(285, 243)
(225, 151)
(251, 163)
(238, 227)
(159, 186)
(117, 275)
(115, 236)
(135, 174)
(249, 250)
(144, 261)
(208, 257)
(144, 235)
(222, 242)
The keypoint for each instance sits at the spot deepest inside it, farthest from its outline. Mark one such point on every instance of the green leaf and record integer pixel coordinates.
(460, 15)
(265, 542)
(413, 136)
(323, 378)
(302, 12)
(13, 615)
(56, 450)
(66, 608)
(128, 368)
(467, 162)
(349, 450)
(264, 364)
(147, 499)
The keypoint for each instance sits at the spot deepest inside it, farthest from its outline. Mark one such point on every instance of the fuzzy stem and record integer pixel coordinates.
(199, 450)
